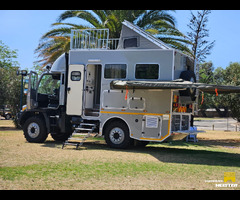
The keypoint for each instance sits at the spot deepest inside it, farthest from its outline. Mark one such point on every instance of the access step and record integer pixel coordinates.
(80, 131)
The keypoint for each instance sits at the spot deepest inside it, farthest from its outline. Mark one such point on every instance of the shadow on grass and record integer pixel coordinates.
(171, 154)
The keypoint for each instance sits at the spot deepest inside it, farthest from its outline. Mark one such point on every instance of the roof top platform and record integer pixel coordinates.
(131, 36)
(92, 39)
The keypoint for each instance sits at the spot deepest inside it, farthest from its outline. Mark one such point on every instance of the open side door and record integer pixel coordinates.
(75, 90)
(32, 87)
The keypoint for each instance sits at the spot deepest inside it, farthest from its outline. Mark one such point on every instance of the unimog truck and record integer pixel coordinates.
(132, 89)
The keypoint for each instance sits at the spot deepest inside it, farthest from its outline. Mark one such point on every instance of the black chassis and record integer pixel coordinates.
(56, 120)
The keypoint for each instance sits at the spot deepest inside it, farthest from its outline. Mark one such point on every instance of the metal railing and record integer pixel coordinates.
(112, 43)
(92, 39)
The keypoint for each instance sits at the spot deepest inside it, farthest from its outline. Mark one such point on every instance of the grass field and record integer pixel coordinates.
(175, 165)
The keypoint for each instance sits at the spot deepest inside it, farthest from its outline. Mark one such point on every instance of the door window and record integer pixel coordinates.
(75, 76)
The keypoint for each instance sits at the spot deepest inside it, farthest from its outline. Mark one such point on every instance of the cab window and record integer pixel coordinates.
(48, 84)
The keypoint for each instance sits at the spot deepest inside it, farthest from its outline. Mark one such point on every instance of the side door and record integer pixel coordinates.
(75, 89)
(32, 87)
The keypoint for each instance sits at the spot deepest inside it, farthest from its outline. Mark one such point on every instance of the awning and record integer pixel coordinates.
(175, 84)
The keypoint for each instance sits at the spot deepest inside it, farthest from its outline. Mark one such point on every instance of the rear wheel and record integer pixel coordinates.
(116, 135)
(35, 130)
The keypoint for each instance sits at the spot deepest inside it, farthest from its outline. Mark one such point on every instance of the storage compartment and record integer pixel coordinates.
(136, 103)
(151, 126)
(180, 122)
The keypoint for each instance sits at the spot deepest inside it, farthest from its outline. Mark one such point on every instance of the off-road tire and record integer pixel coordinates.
(61, 137)
(119, 139)
(34, 130)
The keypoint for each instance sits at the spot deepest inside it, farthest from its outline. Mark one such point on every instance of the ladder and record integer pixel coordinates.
(84, 130)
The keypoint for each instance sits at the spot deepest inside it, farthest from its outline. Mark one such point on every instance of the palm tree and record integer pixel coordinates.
(159, 23)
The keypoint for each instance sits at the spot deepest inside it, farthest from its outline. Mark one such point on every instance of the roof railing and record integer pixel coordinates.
(92, 39)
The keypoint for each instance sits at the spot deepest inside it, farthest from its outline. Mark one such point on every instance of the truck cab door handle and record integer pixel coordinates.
(68, 89)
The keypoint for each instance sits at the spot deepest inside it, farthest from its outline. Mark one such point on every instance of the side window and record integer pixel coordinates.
(75, 76)
(130, 42)
(115, 71)
(48, 84)
(146, 71)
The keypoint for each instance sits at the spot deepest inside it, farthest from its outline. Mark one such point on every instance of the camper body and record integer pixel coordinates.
(78, 92)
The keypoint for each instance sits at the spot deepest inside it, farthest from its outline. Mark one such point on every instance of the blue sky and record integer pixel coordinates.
(22, 30)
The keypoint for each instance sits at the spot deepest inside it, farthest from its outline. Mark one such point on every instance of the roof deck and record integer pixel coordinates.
(92, 39)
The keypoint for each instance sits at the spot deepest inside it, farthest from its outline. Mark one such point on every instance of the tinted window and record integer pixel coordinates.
(115, 71)
(147, 71)
(130, 42)
(75, 76)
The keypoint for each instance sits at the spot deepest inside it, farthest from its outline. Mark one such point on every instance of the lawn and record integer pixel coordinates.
(173, 165)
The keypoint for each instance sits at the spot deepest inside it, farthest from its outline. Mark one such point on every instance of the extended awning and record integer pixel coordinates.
(176, 84)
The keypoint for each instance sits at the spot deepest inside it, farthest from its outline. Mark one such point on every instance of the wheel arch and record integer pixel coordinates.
(27, 114)
(114, 118)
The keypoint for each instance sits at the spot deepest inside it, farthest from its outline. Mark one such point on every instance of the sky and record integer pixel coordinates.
(22, 30)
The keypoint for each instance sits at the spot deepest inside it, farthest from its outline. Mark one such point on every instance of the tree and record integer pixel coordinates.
(198, 26)
(160, 23)
(205, 76)
(220, 76)
(10, 83)
(232, 77)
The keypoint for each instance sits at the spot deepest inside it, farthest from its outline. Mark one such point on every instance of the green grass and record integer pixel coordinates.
(53, 175)
(174, 159)
(173, 165)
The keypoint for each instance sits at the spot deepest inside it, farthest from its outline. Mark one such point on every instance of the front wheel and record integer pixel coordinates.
(116, 135)
(35, 130)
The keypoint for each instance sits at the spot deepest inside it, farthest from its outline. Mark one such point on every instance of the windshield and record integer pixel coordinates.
(48, 84)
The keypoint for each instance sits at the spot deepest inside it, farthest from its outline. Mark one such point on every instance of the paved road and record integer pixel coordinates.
(219, 124)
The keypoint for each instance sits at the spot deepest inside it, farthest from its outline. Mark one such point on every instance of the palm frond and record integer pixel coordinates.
(160, 23)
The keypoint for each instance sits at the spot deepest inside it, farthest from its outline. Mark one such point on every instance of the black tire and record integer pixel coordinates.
(188, 76)
(116, 135)
(34, 130)
(61, 137)
(8, 116)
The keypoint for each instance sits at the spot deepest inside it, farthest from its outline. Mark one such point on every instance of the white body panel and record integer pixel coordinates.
(75, 91)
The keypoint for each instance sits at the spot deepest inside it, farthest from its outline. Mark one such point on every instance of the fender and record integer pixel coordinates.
(113, 118)
(23, 116)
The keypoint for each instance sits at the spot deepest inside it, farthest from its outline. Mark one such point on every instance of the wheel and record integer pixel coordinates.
(61, 136)
(188, 76)
(8, 116)
(116, 135)
(34, 130)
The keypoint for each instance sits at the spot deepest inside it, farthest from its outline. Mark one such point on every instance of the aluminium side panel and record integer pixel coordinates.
(146, 112)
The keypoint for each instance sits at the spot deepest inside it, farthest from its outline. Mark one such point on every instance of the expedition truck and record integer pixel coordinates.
(132, 89)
